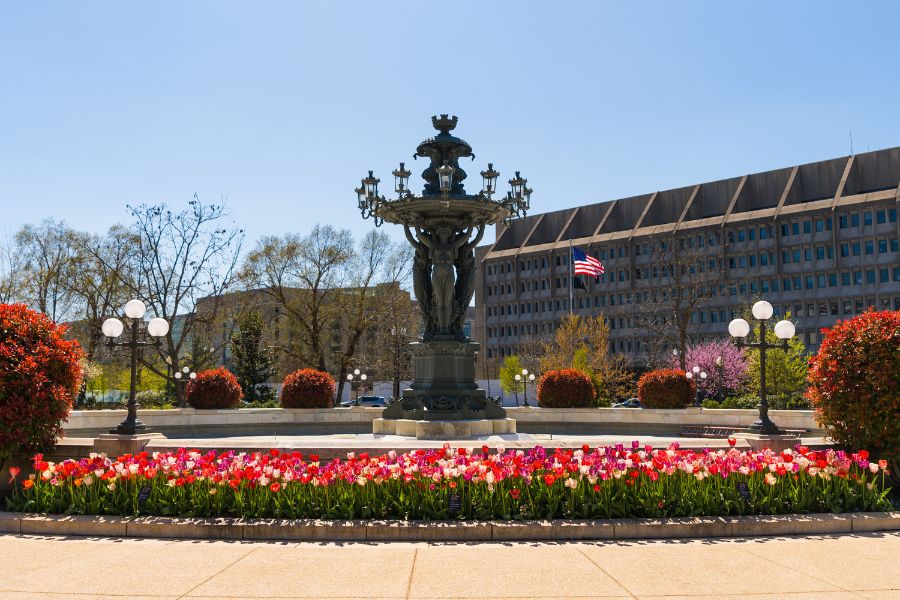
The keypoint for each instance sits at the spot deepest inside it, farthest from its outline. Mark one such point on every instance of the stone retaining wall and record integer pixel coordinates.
(188, 422)
(362, 531)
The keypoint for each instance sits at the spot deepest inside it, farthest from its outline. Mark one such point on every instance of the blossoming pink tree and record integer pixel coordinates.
(721, 379)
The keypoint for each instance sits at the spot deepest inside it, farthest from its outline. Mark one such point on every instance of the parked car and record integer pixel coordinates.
(630, 403)
(371, 401)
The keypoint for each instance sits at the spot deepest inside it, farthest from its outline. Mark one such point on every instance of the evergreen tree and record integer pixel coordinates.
(253, 363)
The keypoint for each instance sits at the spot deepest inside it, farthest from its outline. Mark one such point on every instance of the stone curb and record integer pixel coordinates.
(448, 531)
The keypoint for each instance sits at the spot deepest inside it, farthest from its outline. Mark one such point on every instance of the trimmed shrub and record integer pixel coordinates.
(854, 384)
(307, 388)
(153, 399)
(565, 388)
(40, 373)
(215, 388)
(665, 388)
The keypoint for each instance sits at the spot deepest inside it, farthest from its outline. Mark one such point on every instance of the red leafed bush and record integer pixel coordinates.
(40, 374)
(307, 388)
(215, 388)
(665, 388)
(854, 384)
(565, 388)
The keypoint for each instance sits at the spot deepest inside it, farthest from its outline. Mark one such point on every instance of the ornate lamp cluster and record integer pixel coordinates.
(449, 179)
(784, 331)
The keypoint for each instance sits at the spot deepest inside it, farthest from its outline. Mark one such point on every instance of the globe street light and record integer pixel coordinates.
(698, 374)
(181, 378)
(361, 377)
(112, 328)
(526, 379)
(784, 330)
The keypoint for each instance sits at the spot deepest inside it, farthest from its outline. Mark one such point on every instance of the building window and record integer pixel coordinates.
(867, 218)
(892, 215)
(854, 220)
(857, 249)
(832, 279)
(795, 228)
(820, 253)
(882, 246)
(845, 278)
(870, 246)
(740, 235)
(857, 277)
(842, 222)
(884, 275)
(784, 230)
(870, 275)
(845, 250)
(880, 217)
(807, 226)
(820, 225)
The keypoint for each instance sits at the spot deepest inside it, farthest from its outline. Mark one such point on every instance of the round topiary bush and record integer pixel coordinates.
(215, 388)
(307, 388)
(565, 388)
(854, 385)
(665, 388)
(40, 373)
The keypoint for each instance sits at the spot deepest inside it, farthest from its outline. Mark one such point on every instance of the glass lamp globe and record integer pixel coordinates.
(185, 369)
(531, 376)
(356, 371)
(762, 311)
(349, 376)
(784, 330)
(689, 375)
(193, 376)
(696, 370)
(363, 377)
(524, 371)
(739, 328)
(177, 374)
(113, 328)
(135, 309)
(158, 327)
(518, 377)
(703, 375)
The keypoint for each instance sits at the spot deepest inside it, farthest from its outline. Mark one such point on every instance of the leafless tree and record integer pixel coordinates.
(11, 281)
(48, 261)
(675, 284)
(332, 294)
(179, 258)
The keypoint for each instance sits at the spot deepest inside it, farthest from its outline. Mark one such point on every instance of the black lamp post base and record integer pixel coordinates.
(130, 428)
(765, 427)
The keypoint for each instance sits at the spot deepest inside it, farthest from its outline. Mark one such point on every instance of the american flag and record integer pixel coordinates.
(586, 265)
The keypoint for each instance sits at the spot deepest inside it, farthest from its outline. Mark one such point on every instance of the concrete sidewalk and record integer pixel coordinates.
(812, 568)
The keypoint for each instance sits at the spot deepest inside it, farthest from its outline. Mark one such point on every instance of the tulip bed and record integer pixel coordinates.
(447, 483)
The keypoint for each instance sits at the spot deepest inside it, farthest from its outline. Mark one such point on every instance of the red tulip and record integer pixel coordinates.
(732, 442)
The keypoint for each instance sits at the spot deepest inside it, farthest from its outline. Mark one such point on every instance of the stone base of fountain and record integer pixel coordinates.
(444, 402)
(459, 429)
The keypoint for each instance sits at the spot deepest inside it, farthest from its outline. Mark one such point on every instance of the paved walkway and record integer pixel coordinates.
(811, 568)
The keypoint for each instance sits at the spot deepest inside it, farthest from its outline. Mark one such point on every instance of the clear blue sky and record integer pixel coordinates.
(282, 107)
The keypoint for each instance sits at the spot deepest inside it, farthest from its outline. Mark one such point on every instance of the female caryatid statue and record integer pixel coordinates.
(437, 254)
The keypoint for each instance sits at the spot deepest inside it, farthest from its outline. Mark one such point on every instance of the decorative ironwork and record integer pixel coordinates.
(444, 224)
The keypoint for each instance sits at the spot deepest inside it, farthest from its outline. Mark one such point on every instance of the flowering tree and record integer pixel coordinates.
(728, 377)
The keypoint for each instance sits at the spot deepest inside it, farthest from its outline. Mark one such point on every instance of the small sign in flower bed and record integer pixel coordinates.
(447, 483)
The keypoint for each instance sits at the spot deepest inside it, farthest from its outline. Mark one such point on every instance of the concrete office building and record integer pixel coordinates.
(819, 240)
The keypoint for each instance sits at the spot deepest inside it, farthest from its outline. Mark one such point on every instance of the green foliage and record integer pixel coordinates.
(153, 399)
(780, 402)
(252, 362)
(511, 367)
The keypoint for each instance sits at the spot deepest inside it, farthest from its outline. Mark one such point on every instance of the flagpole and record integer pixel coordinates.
(571, 277)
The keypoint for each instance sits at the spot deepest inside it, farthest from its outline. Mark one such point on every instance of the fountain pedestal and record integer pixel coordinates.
(444, 387)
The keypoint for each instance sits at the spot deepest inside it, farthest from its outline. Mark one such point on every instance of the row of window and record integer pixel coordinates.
(822, 308)
(797, 282)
